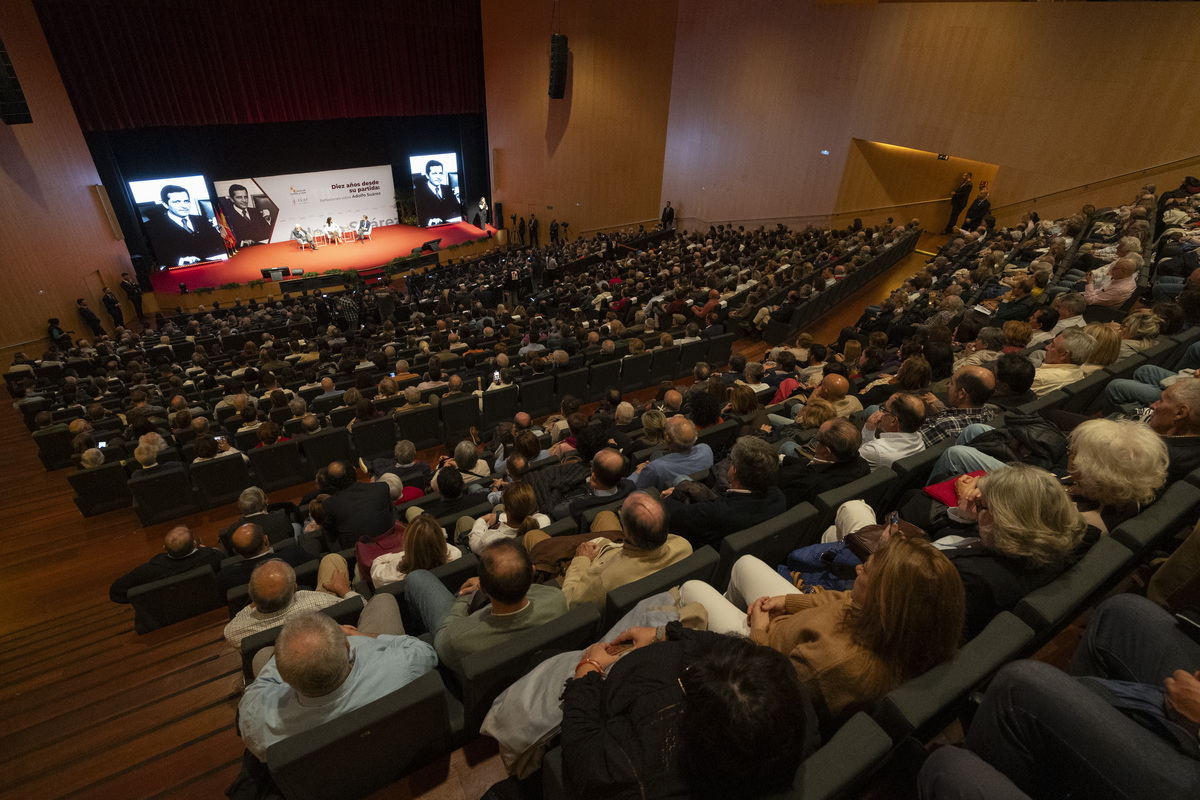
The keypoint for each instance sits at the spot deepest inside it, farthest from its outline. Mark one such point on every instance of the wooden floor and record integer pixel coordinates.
(90, 709)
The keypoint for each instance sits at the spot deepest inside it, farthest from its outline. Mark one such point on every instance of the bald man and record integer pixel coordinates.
(183, 553)
(250, 541)
(605, 485)
(320, 670)
(684, 456)
(274, 597)
(835, 389)
(966, 397)
(601, 565)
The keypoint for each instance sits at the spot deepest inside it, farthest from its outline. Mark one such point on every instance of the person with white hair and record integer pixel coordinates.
(1063, 365)
(321, 670)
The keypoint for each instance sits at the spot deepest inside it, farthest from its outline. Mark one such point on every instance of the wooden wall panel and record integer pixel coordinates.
(1055, 94)
(595, 156)
(53, 231)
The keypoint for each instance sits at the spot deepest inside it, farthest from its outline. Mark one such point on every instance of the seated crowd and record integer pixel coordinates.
(741, 685)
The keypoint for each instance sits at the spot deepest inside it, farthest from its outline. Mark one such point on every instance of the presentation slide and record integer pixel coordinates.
(179, 221)
(320, 202)
(436, 188)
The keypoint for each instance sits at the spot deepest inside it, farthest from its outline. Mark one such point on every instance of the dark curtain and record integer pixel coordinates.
(143, 63)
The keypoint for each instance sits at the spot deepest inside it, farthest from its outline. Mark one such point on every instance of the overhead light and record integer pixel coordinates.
(824, 152)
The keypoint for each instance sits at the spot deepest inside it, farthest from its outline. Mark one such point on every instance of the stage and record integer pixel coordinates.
(385, 243)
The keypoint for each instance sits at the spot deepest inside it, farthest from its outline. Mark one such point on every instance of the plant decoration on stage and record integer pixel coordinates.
(400, 264)
(230, 285)
(257, 283)
(313, 274)
(203, 290)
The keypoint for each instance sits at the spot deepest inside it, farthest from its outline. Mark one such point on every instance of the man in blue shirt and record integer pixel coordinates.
(321, 670)
(683, 457)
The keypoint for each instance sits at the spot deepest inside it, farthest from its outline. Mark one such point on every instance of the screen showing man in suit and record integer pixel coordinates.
(436, 188)
(179, 220)
(252, 218)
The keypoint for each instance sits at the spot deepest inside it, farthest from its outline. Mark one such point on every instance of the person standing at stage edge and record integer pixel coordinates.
(134, 292)
(668, 217)
(533, 230)
(958, 200)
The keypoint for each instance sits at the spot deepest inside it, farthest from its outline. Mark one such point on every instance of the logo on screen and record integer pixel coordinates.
(294, 190)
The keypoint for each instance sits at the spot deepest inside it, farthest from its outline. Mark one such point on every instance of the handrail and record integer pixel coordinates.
(1097, 184)
(818, 217)
(584, 233)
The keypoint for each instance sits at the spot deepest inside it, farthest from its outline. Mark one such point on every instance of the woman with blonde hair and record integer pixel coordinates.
(425, 547)
(1138, 331)
(1029, 533)
(665, 341)
(636, 347)
(516, 515)
(1107, 349)
(654, 422)
(903, 616)
(1016, 335)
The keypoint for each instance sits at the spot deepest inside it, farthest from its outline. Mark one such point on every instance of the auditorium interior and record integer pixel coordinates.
(823, 115)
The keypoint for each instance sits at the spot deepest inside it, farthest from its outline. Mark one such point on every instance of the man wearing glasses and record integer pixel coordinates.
(891, 432)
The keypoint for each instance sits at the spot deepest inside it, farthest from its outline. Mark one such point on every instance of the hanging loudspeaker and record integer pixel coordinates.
(558, 66)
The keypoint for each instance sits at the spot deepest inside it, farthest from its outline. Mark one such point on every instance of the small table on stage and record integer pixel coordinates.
(320, 238)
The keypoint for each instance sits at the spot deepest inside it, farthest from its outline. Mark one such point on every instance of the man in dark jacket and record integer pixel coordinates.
(354, 509)
(250, 542)
(835, 463)
(752, 497)
(184, 553)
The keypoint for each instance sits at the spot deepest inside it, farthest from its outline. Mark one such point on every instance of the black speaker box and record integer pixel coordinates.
(558, 66)
(498, 215)
(13, 108)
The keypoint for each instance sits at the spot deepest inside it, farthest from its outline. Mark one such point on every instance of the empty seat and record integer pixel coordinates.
(459, 415)
(537, 396)
(365, 749)
(663, 365)
(54, 448)
(720, 349)
(635, 372)
(374, 438)
(170, 600)
(101, 489)
(327, 446)
(689, 355)
(604, 375)
(420, 426)
(220, 480)
(164, 496)
(278, 466)
(573, 383)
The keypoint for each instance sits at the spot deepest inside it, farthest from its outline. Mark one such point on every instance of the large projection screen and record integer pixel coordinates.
(312, 200)
(179, 220)
(436, 188)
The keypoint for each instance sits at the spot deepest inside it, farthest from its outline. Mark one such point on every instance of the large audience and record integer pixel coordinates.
(707, 693)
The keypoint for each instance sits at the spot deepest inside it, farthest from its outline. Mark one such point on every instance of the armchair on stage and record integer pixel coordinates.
(361, 229)
(305, 236)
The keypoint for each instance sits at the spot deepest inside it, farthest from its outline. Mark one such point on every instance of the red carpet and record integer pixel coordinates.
(385, 244)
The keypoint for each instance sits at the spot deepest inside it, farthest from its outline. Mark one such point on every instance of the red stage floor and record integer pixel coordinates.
(385, 244)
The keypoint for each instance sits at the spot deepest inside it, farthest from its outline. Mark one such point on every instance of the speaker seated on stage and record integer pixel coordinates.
(303, 236)
(364, 229)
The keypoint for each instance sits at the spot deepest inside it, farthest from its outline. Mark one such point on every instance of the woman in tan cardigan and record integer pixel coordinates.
(903, 616)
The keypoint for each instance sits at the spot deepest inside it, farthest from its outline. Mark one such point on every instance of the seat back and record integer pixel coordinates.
(719, 437)
(420, 426)
(720, 349)
(589, 516)
(327, 446)
(459, 415)
(689, 355)
(163, 497)
(768, 541)
(663, 365)
(537, 396)
(635, 372)
(912, 472)
(220, 480)
(1083, 395)
(374, 438)
(344, 612)
(278, 466)
(499, 405)
(54, 448)
(572, 382)
(1171, 513)
(845, 762)
(699, 566)
(487, 673)
(926, 704)
(101, 489)
(368, 748)
(452, 575)
(873, 489)
(1046, 608)
(604, 375)
(174, 599)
